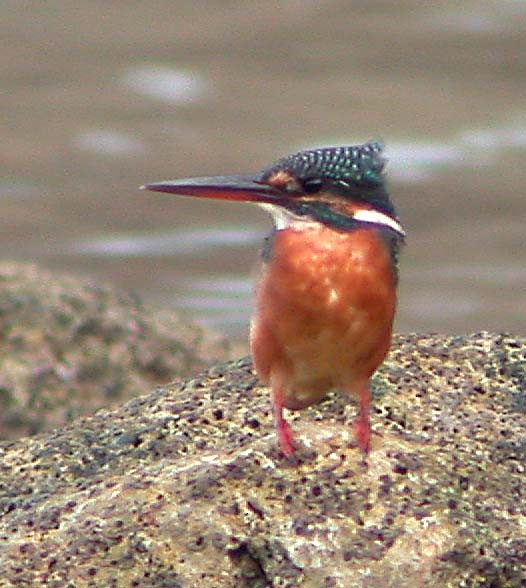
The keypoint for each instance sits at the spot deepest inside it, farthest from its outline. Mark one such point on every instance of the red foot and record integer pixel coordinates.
(362, 426)
(362, 431)
(285, 437)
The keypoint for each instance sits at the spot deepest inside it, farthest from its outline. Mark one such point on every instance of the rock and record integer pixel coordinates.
(185, 488)
(68, 346)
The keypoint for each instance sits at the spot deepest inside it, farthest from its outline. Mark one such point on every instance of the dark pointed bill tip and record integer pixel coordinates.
(236, 188)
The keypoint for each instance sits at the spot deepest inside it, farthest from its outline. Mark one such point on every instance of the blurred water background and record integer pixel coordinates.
(97, 98)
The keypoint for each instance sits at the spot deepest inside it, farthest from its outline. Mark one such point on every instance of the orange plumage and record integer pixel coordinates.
(324, 311)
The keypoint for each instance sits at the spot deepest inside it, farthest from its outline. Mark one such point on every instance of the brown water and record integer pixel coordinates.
(98, 97)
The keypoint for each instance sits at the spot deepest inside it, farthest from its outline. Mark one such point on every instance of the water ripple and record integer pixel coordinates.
(167, 84)
(189, 242)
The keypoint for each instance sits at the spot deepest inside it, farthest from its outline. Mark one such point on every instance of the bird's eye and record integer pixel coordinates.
(312, 185)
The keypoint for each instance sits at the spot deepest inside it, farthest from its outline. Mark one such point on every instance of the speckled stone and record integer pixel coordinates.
(69, 346)
(185, 487)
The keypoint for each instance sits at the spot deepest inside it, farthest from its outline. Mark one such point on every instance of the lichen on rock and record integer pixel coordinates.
(69, 346)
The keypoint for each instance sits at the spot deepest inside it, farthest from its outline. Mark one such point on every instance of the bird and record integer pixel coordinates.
(325, 299)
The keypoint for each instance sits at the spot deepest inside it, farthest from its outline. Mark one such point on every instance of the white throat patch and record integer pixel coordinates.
(283, 218)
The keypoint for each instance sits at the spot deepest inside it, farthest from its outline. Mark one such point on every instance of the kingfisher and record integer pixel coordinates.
(326, 296)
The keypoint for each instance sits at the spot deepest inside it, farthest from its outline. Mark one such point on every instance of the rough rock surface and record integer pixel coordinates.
(68, 347)
(185, 487)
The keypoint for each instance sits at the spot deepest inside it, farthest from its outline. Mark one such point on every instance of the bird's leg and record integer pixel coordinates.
(283, 430)
(362, 426)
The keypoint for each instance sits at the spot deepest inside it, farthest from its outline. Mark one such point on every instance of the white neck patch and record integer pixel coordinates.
(378, 218)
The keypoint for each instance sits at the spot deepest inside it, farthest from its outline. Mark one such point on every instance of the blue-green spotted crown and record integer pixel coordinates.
(353, 172)
(359, 165)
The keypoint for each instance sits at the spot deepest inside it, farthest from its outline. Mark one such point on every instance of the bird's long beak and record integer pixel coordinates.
(235, 188)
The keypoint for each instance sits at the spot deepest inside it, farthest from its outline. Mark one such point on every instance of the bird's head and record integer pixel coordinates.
(342, 187)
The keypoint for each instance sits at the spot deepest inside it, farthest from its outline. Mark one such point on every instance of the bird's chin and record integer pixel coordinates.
(283, 218)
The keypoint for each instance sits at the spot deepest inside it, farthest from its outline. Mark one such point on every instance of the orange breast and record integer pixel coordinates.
(324, 311)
